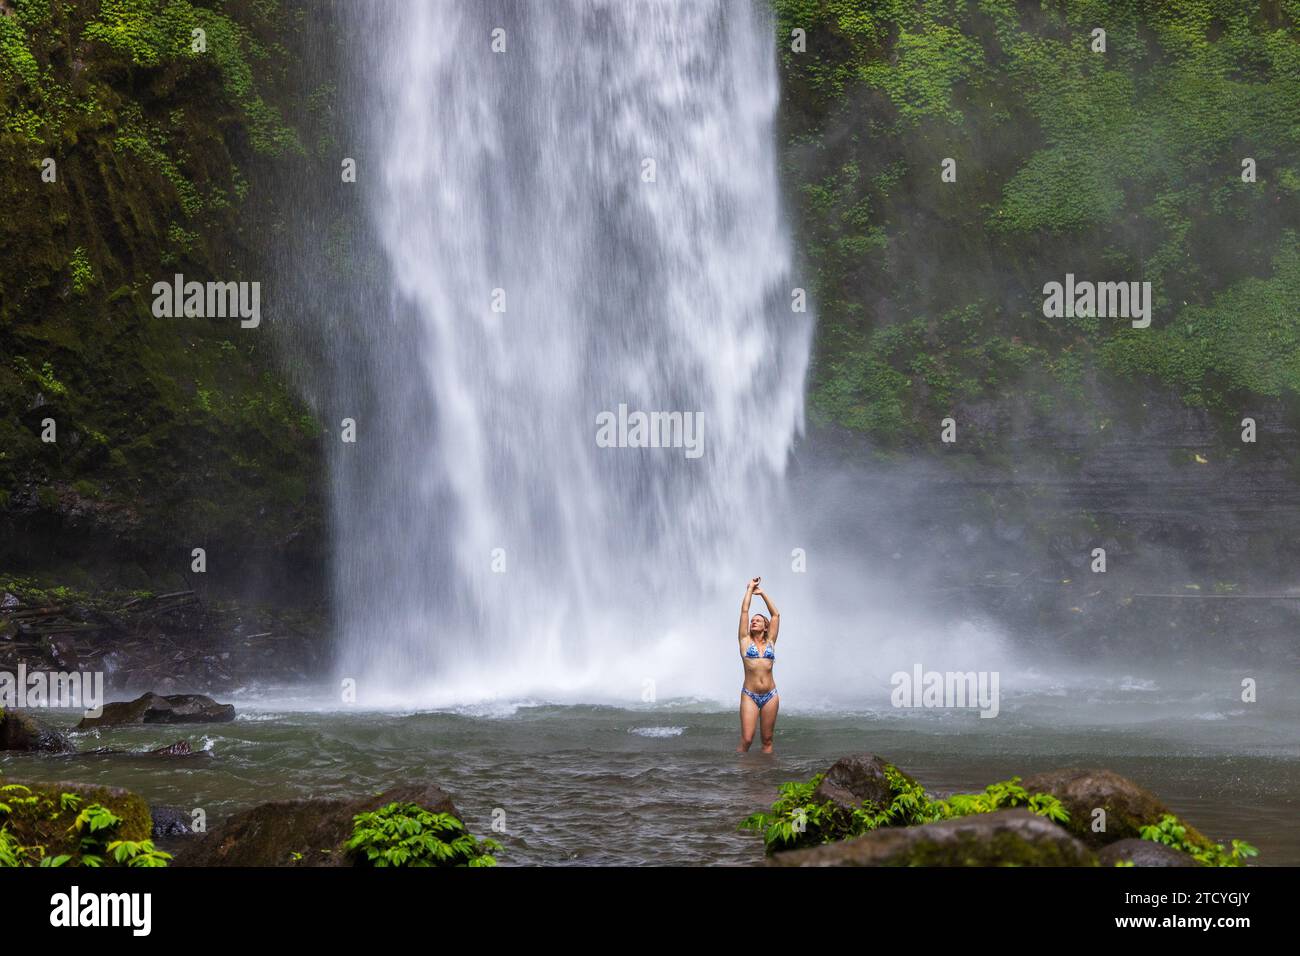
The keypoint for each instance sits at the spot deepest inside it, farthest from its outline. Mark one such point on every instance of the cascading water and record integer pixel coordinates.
(583, 217)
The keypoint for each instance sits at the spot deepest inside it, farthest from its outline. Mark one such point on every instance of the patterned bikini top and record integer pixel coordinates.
(752, 652)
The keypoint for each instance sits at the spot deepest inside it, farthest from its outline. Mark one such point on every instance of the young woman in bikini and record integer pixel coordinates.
(758, 700)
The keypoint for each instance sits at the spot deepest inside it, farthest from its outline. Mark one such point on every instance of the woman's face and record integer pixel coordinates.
(757, 624)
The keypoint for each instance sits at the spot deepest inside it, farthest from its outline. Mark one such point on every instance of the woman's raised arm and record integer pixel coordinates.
(772, 612)
(744, 609)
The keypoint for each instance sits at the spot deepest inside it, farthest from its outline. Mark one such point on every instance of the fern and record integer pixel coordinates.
(409, 835)
(96, 825)
(10, 851)
(1171, 832)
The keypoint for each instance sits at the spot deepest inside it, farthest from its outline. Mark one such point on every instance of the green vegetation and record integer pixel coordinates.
(1123, 164)
(1247, 335)
(82, 273)
(129, 154)
(44, 826)
(45, 379)
(16, 60)
(155, 33)
(798, 819)
(405, 834)
(1172, 832)
(95, 825)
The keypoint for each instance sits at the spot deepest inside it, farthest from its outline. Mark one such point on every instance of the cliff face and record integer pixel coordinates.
(142, 138)
(1122, 164)
(947, 161)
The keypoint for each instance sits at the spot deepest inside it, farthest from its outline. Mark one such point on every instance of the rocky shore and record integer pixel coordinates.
(863, 811)
(63, 823)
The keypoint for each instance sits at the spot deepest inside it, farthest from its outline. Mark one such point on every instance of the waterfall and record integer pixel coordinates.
(577, 205)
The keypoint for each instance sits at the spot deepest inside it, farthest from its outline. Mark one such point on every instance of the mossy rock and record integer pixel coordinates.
(21, 731)
(854, 780)
(39, 817)
(1144, 853)
(300, 832)
(1128, 807)
(1003, 838)
(156, 709)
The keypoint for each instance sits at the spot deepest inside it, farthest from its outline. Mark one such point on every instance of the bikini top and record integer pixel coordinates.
(752, 651)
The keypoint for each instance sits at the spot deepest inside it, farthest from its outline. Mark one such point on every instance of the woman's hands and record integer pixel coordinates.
(754, 586)
(775, 627)
(744, 608)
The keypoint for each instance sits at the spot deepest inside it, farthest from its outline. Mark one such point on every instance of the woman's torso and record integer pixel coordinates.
(758, 659)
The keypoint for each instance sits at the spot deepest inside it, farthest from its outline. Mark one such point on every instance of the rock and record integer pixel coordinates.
(9, 603)
(181, 748)
(156, 709)
(49, 821)
(851, 781)
(1144, 853)
(1128, 806)
(20, 731)
(1004, 838)
(170, 823)
(63, 651)
(299, 832)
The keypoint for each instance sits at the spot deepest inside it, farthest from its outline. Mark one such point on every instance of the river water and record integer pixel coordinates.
(661, 784)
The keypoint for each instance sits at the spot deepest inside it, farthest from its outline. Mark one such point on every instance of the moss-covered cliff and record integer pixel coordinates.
(1117, 164)
(143, 138)
(1122, 164)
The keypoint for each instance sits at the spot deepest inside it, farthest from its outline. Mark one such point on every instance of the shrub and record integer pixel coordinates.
(1171, 832)
(405, 834)
(797, 819)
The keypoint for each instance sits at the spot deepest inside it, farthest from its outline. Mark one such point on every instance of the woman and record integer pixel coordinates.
(758, 700)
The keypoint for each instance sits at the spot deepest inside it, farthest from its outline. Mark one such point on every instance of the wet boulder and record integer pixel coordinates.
(1003, 838)
(854, 780)
(170, 823)
(1128, 806)
(850, 784)
(19, 730)
(300, 832)
(157, 709)
(1144, 853)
